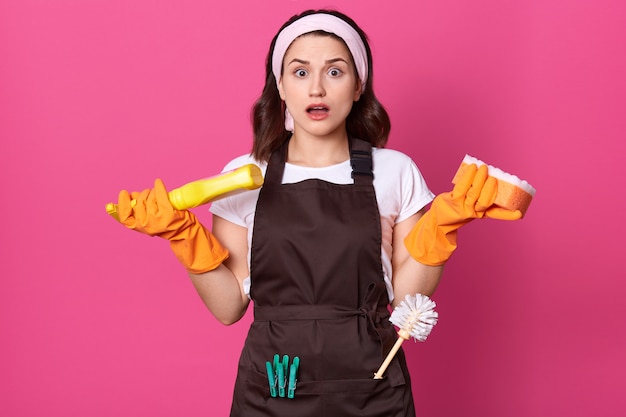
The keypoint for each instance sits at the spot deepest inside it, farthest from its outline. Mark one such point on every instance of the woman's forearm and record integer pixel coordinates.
(222, 293)
(410, 276)
(221, 289)
(413, 277)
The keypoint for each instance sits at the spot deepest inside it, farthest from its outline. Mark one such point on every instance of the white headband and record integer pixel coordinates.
(327, 23)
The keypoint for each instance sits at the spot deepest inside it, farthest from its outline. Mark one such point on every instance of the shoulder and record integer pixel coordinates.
(400, 187)
(238, 208)
(386, 155)
(392, 162)
(244, 160)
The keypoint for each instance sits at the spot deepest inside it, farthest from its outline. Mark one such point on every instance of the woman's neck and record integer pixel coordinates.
(316, 151)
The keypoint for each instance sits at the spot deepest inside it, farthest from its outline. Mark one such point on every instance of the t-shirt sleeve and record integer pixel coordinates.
(231, 209)
(415, 194)
(238, 207)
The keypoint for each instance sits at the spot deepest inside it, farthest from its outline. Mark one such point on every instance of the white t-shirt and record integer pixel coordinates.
(400, 192)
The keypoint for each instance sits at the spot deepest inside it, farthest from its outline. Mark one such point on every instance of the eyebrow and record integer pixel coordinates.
(328, 61)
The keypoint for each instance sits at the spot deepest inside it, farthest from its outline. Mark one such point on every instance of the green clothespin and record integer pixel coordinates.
(285, 364)
(271, 377)
(293, 377)
(282, 375)
(276, 361)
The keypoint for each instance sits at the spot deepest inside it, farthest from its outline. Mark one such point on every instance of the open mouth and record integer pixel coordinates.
(317, 110)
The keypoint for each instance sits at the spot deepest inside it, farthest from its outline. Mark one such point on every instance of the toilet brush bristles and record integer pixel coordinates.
(415, 317)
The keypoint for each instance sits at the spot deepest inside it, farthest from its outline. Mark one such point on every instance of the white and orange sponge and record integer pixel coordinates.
(513, 192)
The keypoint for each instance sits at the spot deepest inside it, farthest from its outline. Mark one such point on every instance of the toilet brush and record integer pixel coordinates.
(415, 317)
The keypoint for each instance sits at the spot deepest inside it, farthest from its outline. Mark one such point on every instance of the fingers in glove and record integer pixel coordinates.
(161, 198)
(473, 194)
(125, 209)
(464, 183)
(487, 194)
(141, 208)
(499, 213)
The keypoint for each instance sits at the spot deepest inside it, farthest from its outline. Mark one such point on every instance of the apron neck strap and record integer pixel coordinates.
(360, 160)
(276, 165)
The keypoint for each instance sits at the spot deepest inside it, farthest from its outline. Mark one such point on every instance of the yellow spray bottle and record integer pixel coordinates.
(197, 193)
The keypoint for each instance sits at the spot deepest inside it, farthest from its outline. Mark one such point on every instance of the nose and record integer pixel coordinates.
(316, 89)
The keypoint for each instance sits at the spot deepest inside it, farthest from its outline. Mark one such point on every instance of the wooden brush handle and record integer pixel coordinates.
(390, 355)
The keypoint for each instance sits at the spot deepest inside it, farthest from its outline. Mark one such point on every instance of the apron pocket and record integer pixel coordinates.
(341, 397)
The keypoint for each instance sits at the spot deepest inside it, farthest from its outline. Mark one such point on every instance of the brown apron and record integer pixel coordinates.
(319, 294)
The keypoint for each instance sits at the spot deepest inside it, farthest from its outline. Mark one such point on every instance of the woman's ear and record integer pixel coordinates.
(357, 92)
(281, 91)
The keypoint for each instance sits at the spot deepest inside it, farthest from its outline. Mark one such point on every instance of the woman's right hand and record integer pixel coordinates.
(152, 213)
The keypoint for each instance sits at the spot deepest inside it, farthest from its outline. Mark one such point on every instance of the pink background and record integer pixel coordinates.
(96, 96)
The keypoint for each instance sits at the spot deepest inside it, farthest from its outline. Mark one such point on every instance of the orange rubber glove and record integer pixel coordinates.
(433, 239)
(194, 246)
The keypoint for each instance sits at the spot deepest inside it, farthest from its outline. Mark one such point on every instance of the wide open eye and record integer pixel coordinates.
(301, 73)
(335, 72)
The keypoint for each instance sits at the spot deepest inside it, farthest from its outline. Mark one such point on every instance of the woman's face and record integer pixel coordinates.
(319, 85)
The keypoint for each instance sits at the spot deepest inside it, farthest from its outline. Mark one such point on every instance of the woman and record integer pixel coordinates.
(330, 240)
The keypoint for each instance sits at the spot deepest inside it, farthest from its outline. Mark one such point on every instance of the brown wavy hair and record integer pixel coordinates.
(368, 120)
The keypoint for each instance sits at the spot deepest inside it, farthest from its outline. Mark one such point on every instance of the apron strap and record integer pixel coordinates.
(304, 312)
(360, 160)
(276, 166)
